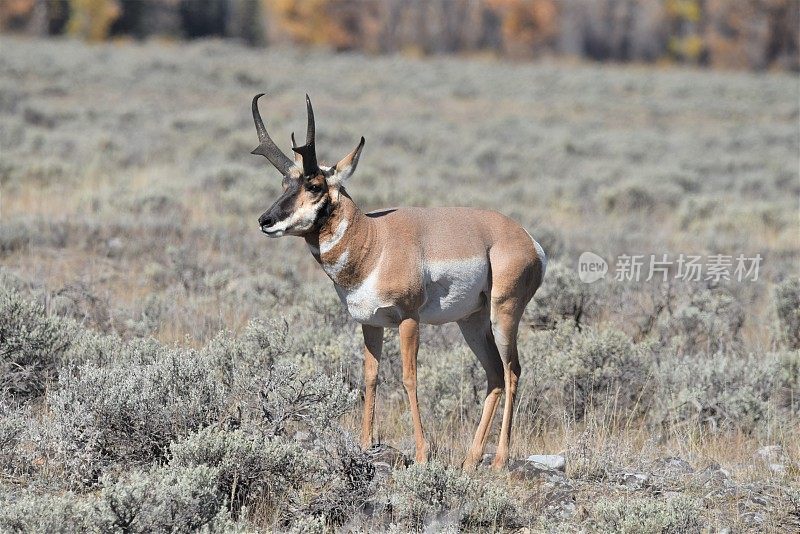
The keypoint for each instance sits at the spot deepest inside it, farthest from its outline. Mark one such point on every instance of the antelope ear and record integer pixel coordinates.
(346, 167)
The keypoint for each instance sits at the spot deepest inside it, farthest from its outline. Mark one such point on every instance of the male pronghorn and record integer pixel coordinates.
(405, 266)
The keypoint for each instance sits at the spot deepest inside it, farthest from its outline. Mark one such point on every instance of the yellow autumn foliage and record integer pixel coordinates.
(312, 22)
(92, 19)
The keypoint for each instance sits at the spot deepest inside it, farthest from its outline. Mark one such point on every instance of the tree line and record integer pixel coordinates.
(739, 34)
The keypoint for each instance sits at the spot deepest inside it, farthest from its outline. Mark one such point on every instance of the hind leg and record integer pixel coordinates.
(506, 313)
(477, 331)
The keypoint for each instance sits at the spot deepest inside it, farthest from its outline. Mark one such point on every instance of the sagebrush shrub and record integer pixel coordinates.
(129, 411)
(676, 515)
(787, 306)
(22, 512)
(309, 524)
(451, 384)
(493, 509)
(563, 297)
(787, 390)
(341, 487)
(600, 368)
(13, 424)
(31, 346)
(710, 321)
(439, 497)
(245, 362)
(169, 499)
(424, 491)
(249, 466)
(719, 391)
(636, 196)
(290, 395)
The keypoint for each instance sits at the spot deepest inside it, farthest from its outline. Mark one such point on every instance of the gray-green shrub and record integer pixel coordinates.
(130, 410)
(563, 297)
(174, 499)
(787, 306)
(710, 321)
(432, 493)
(14, 460)
(675, 515)
(424, 492)
(290, 395)
(598, 368)
(31, 346)
(22, 512)
(249, 466)
(722, 392)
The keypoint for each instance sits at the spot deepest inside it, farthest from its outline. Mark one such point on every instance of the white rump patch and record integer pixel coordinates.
(539, 252)
(328, 245)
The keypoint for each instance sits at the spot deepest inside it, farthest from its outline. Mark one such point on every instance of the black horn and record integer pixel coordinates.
(309, 151)
(267, 148)
(310, 130)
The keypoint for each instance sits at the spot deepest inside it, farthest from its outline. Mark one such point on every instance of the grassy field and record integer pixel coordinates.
(153, 339)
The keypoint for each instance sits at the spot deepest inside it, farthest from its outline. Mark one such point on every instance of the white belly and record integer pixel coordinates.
(453, 289)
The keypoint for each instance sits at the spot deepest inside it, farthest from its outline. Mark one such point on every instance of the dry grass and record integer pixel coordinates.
(129, 203)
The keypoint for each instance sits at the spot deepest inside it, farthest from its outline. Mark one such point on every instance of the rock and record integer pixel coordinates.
(634, 480)
(714, 475)
(553, 461)
(525, 470)
(752, 518)
(673, 463)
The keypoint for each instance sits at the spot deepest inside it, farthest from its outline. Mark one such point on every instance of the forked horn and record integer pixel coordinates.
(298, 159)
(267, 148)
(308, 151)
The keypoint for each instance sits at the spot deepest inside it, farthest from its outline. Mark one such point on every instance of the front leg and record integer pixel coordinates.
(409, 346)
(373, 345)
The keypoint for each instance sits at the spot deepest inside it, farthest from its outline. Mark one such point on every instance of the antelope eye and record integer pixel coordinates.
(314, 188)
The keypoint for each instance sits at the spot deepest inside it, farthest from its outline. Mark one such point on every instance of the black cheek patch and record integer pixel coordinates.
(323, 213)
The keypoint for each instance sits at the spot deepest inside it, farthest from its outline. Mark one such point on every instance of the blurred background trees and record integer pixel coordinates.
(741, 34)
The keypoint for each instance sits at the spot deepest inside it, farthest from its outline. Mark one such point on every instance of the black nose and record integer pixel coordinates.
(266, 222)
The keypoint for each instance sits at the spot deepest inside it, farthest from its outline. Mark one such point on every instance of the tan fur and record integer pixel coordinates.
(401, 243)
(405, 266)
(413, 236)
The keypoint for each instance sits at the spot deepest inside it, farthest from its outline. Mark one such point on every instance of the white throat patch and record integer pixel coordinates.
(328, 245)
(333, 269)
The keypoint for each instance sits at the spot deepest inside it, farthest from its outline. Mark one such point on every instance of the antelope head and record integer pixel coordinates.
(310, 190)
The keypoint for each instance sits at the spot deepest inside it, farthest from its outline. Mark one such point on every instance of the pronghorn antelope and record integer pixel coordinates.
(401, 267)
